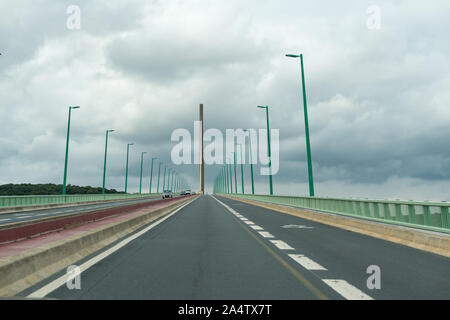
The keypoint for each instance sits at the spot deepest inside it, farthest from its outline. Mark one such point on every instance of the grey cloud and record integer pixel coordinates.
(377, 100)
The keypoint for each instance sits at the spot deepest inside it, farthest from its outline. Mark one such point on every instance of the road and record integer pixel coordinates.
(24, 216)
(216, 248)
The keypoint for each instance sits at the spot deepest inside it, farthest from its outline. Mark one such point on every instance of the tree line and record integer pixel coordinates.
(27, 189)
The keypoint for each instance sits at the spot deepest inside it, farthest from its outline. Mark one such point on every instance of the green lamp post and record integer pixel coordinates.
(268, 148)
(305, 111)
(67, 150)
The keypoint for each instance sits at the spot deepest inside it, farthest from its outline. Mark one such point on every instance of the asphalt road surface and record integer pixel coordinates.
(23, 216)
(216, 248)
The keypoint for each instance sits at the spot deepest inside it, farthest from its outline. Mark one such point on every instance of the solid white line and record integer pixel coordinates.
(266, 234)
(306, 262)
(255, 227)
(55, 284)
(346, 290)
(281, 245)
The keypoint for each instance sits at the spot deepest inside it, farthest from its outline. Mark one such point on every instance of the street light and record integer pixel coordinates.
(268, 148)
(235, 175)
(231, 175)
(104, 164)
(242, 169)
(142, 162)
(251, 158)
(67, 150)
(159, 172)
(126, 170)
(151, 175)
(308, 145)
(168, 178)
(171, 181)
(164, 180)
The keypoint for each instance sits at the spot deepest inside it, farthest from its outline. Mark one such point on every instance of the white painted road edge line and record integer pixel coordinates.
(346, 290)
(55, 284)
(281, 245)
(306, 262)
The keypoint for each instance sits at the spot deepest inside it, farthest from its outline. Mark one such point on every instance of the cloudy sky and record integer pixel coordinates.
(378, 98)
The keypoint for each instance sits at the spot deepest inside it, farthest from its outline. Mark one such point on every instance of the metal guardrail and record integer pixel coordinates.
(38, 200)
(433, 216)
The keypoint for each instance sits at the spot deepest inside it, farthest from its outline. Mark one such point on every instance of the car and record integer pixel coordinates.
(187, 192)
(183, 193)
(167, 194)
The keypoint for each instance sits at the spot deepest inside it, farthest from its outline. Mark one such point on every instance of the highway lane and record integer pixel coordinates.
(24, 216)
(224, 249)
(406, 273)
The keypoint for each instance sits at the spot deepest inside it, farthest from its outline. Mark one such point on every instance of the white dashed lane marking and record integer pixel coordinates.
(5, 219)
(23, 217)
(281, 245)
(346, 290)
(266, 234)
(306, 262)
(342, 287)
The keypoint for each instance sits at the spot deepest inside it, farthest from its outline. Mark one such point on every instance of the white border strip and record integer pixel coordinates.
(306, 262)
(346, 290)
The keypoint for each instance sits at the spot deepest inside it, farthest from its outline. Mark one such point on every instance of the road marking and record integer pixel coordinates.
(296, 226)
(23, 217)
(281, 245)
(266, 234)
(5, 219)
(55, 284)
(306, 262)
(42, 214)
(316, 292)
(248, 222)
(244, 219)
(255, 227)
(346, 290)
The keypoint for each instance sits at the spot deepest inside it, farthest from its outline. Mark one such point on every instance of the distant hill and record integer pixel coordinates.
(27, 189)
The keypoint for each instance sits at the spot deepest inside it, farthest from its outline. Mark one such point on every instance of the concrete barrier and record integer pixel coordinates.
(67, 205)
(26, 269)
(27, 229)
(434, 242)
